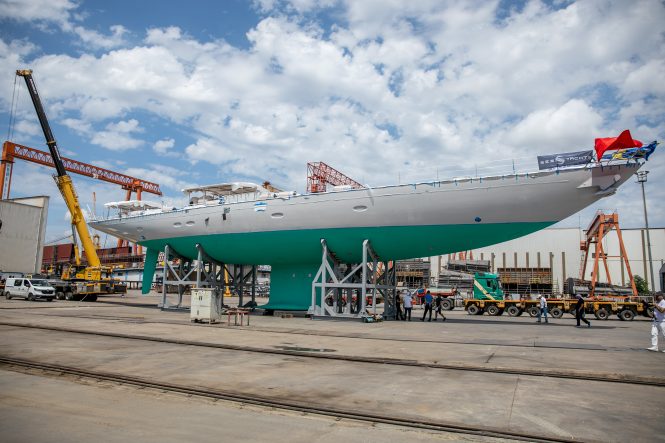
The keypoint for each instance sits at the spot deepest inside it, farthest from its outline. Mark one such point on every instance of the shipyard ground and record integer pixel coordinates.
(470, 378)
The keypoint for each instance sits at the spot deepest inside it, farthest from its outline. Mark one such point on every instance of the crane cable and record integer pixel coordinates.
(51, 242)
(12, 110)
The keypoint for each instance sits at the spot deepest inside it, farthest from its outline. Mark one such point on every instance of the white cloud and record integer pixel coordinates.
(26, 128)
(98, 40)
(125, 126)
(393, 88)
(57, 11)
(118, 136)
(297, 6)
(647, 79)
(115, 136)
(77, 125)
(62, 13)
(16, 48)
(168, 177)
(163, 146)
(572, 125)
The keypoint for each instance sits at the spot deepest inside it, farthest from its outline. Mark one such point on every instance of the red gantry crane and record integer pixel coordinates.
(13, 151)
(601, 225)
(320, 174)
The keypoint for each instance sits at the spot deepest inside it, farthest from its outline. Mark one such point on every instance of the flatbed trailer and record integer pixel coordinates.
(624, 308)
(85, 290)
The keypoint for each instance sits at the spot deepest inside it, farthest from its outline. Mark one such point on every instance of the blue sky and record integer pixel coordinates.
(207, 91)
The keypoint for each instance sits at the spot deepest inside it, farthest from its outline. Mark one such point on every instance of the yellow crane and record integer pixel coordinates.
(94, 279)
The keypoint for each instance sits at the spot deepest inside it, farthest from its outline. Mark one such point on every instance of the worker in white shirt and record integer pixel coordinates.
(658, 324)
(543, 308)
(408, 305)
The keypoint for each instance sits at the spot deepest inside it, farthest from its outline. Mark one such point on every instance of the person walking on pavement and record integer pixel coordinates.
(428, 306)
(543, 308)
(579, 311)
(408, 305)
(438, 301)
(398, 307)
(658, 324)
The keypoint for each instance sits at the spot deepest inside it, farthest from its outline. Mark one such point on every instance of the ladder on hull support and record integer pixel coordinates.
(346, 290)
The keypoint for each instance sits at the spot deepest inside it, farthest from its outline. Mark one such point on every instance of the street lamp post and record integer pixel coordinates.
(641, 179)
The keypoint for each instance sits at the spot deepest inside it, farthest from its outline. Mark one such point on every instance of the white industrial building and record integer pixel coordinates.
(559, 250)
(22, 230)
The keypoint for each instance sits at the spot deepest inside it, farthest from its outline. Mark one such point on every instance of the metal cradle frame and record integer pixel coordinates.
(205, 271)
(335, 285)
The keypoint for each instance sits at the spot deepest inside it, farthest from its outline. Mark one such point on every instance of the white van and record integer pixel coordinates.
(29, 288)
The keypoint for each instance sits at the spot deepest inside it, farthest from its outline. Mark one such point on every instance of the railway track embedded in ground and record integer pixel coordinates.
(306, 408)
(551, 373)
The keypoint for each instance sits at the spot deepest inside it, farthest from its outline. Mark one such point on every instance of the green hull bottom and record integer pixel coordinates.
(295, 256)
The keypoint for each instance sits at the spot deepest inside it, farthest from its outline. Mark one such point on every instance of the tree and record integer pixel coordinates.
(641, 285)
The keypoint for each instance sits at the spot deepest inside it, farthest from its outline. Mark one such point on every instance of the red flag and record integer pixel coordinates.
(623, 141)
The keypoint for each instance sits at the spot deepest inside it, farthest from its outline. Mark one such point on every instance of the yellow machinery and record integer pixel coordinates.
(95, 279)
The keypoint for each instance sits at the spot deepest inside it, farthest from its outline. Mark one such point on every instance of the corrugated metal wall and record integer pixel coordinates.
(22, 234)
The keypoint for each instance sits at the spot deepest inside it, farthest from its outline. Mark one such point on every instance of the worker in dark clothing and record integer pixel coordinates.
(428, 306)
(437, 302)
(398, 308)
(579, 311)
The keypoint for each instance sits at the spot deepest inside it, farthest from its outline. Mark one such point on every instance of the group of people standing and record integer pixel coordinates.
(428, 302)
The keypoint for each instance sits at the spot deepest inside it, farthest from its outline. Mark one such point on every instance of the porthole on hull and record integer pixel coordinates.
(277, 215)
(360, 208)
(190, 223)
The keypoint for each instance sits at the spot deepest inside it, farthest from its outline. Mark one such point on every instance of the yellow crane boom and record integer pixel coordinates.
(62, 179)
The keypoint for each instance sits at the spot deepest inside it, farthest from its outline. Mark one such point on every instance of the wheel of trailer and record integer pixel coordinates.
(533, 311)
(447, 304)
(31, 297)
(91, 298)
(49, 299)
(473, 310)
(602, 314)
(627, 315)
(7, 295)
(60, 295)
(69, 296)
(513, 311)
(556, 312)
(493, 310)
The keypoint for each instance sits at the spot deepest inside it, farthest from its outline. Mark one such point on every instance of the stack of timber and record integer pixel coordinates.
(413, 273)
(469, 266)
(527, 281)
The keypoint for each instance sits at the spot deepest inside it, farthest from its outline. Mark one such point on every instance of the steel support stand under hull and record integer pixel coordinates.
(205, 271)
(342, 290)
